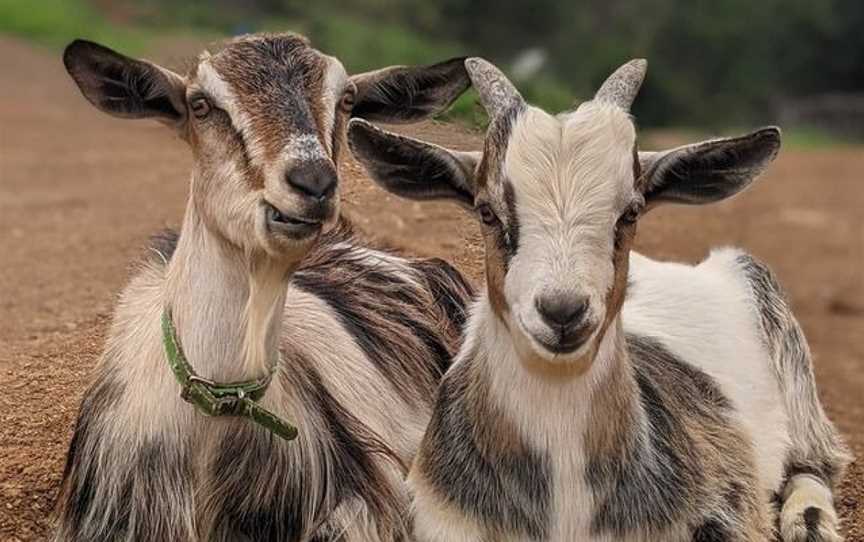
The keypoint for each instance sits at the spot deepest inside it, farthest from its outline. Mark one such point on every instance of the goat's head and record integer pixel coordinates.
(264, 118)
(558, 198)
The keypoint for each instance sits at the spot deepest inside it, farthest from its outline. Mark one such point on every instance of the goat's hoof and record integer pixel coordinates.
(812, 524)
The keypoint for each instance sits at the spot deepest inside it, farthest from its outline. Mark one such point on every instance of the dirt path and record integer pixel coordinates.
(80, 193)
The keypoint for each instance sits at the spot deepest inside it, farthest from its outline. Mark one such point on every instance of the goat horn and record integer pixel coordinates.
(497, 93)
(622, 86)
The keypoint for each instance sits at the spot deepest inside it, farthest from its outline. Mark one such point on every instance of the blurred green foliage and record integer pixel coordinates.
(713, 64)
(55, 22)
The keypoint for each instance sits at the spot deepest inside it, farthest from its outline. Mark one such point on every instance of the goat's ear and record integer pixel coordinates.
(402, 94)
(709, 171)
(125, 87)
(414, 169)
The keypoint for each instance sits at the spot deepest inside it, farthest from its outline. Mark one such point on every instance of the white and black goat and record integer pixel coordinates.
(356, 338)
(688, 412)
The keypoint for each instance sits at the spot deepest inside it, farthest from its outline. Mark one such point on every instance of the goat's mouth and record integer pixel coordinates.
(563, 346)
(560, 344)
(291, 226)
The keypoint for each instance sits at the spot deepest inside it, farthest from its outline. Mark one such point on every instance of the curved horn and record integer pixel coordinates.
(497, 93)
(621, 87)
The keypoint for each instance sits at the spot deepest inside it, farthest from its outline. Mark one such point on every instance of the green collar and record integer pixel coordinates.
(221, 399)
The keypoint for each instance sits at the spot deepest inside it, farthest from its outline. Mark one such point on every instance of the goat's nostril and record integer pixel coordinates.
(561, 311)
(314, 179)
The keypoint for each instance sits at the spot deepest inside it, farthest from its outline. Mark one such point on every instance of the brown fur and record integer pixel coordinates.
(352, 332)
(497, 238)
(284, 100)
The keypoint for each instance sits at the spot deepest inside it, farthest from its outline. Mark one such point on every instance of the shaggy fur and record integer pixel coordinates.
(681, 414)
(359, 336)
(274, 490)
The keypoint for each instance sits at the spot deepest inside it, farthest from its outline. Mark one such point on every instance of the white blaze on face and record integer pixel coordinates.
(572, 177)
(223, 96)
(309, 147)
(335, 79)
(300, 147)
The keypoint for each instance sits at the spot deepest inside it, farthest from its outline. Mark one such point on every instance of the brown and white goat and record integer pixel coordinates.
(688, 414)
(359, 337)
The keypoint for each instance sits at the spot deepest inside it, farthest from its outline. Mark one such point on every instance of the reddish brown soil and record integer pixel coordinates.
(80, 193)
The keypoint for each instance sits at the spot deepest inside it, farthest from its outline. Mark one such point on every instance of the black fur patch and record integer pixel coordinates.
(409, 338)
(354, 456)
(79, 478)
(491, 173)
(787, 346)
(510, 241)
(812, 519)
(141, 508)
(655, 480)
(504, 486)
(123, 86)
(405, 94)
(712, 531)
(410, 168)
(712, 171)
(449, 288)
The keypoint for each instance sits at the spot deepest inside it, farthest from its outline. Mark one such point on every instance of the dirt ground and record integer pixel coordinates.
(80, 193)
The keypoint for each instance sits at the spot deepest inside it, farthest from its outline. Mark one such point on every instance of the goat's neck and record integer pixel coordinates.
(554, 407)
(227, 309)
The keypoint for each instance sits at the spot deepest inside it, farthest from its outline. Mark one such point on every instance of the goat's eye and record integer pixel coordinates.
(631, 215)
(346, 104)
(487, 215)
(200, 107)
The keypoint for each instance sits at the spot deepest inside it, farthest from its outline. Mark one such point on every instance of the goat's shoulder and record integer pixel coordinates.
(695, 464)
(405, 315)
(703, 313)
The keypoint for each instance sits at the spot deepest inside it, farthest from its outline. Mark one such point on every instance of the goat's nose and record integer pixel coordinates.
(316, 179)
(561, 310)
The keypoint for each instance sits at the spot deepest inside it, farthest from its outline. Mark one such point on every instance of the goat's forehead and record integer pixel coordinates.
(268, 70)
(575, 156)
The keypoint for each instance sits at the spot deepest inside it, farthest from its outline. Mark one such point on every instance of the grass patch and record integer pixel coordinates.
(361, 42)
(55, 23)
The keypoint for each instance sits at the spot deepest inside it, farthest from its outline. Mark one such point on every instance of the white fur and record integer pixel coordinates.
(312, 323)
(804, 491)
(572, 177)
(224, 97)
(335, 78)
(571, 184)
(668, 302)
(382, 261)
(435, 520)
(703, 314)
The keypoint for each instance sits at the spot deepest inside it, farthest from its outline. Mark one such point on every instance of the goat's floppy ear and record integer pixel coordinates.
(414, 169)
(402, 94)
(123, 86)
(709, 171)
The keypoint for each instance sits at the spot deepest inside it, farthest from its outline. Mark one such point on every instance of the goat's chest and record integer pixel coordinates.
(572, 501)
(587, 505)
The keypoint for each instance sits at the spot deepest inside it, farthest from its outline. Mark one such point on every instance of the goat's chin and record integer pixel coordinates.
(537, 358)
(282, 248)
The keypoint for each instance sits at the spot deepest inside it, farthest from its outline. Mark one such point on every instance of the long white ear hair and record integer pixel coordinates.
(621, 88)
(497, 93)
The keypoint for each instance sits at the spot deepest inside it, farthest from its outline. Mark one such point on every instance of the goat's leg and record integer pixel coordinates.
(817, 456)
(807, 513)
